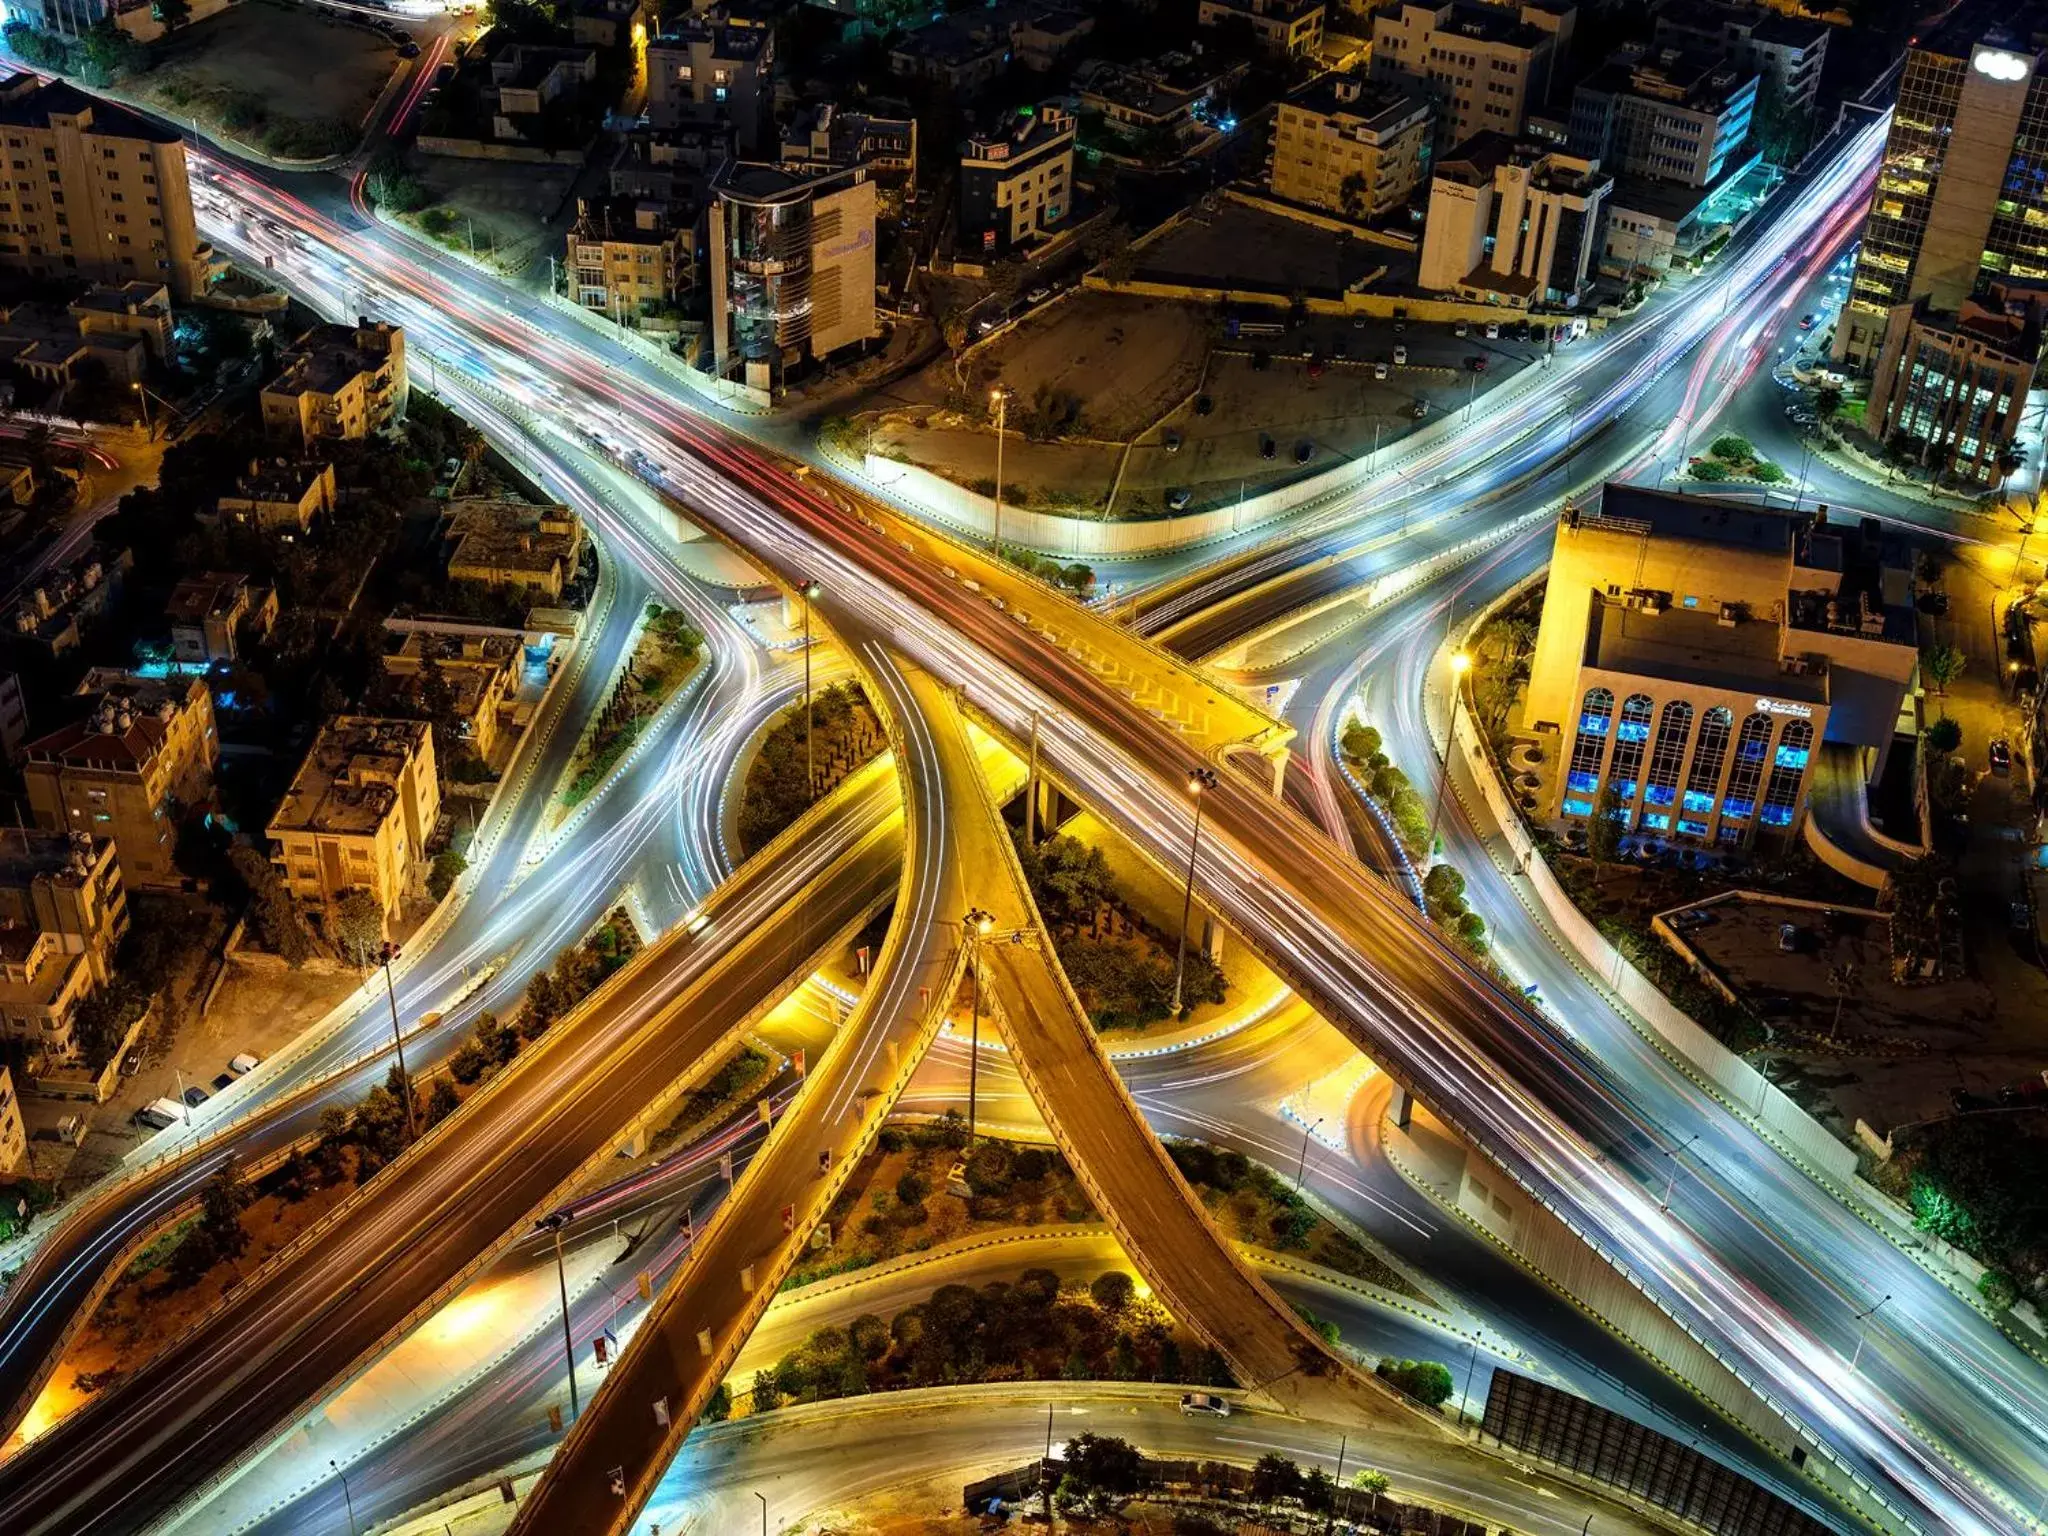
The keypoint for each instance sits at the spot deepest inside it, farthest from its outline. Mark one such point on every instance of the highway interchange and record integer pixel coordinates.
(1775, 1291)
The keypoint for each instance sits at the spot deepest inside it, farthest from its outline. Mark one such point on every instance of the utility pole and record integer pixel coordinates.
(1301, 1165)
(975, 928)
(1000, 399)
(387, 953)
(809, 591)
(347, 1498)
(1471, 1370)
(1031, 790)
(1200, 780)
(1343, 1444)
(1863, 1332)
(1671, 1186)
(1460, 663)
(554, 1223)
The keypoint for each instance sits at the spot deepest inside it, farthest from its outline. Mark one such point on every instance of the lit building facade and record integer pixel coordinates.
(1955, 384)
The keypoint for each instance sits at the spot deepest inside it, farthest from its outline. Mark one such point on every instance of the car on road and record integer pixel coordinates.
(2001, 756)
(1267, 447)
(132, 1062)
(1039, 294)
(1205, 1404)
(196, 1096)
(1171, 442)
(1178, 500)
(1788, 937)
(1401, 355)
(1806, 322)
(1379, 370)
(408, 49)
(1303, 452)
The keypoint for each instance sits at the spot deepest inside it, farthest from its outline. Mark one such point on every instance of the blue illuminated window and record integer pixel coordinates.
(1692, 602)
(1777, 816)
(1592, 724)
(1578, 807)
(1791, 757)
(1692, 828)
(1659, 794)
(1699, 800)
(1738, 810)
(1656, 822)
(1633, 730)
(1584, 782)
(1729, 837)
(1624, 789)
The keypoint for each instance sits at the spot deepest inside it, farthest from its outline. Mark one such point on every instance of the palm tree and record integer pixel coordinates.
(2009, 460)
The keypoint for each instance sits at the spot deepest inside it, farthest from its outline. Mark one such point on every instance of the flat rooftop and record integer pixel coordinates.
(1701, 519)
(348, 783)
(1682, 645)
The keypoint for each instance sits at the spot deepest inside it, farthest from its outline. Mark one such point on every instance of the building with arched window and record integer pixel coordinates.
(1700, 661)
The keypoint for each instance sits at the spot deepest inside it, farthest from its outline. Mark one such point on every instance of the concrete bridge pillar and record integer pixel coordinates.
(1401, 1107)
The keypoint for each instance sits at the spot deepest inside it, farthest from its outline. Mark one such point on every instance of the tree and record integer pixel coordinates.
(1426, 1381)
(447, 869)
(912, 1188)
(1355, 194)
(1767, 472)
(1275, 1477)
(2010, 460)
(1841, 981)
(1443, 892)
(220, 1210)
(1102, 1471)
(1603, 831)
(1361, 742)
(1470, 931)
(279, 923)
(1827, 403)
(544, 1005)
(441, 1102)
(358, 926)
(1370, 1481)
(1112, 1291)
(1943, 663)
(1943, 736)
(1734, 448)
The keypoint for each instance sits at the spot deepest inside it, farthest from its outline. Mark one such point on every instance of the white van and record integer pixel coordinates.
(1401, 354)
(160, 1113)
(71, 1129)
(1205, 1403)
(245, 1063)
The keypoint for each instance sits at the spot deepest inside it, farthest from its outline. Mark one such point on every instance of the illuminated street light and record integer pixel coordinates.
(347, 1498)
(999, 401)
(1199, 779)
(386, 953)
(977, 925)
(1460, 665)
(554, 1222)
(808, 590)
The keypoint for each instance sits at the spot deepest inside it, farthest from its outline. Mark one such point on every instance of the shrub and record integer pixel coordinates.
(1730, 445)
(1944, 735)
(1424, 1380)
(1707, 469)
(1769, 473)
(912, 1188)
(1112, 1291)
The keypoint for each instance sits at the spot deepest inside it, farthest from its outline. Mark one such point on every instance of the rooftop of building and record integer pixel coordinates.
(1639, 510)
(59, 590)
(450, 648)
(622, 219)
(475, 514)
(2016, 27)
(1289, 10)
(759, 182)
(27, 102)
(1379, 106)
(1852, 579)
(958, 39)
(1478, 22)
(1023, 132)
(1698, 79)
(1157, 85)
(348, 782)
(279, 479)
(1684, 645)
(133, 298)
(126, 723)
(730, 36)
(209, 595)
(2006, 319)
(1474, 162)
(328, 357)
(28, 854)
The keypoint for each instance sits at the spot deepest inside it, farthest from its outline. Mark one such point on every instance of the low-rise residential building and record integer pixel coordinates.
(715, 65)
(478, 672)
(18, 480)
(1281, 26)
(1696, 656)
(501, 542)
(1954, 383)
(671, 165)
(210, 613)
(140, 310)
(95, 191)
(1786, 52)
(1668, 113)
(1042, 36)
(338, 381)
(1514, 224)
(359, 813)
(1017, 180)
(960, 53)
(1170, 96)
(792, 269)
(45, 346)
(54, 616)
(631, 256)
(608, 23)
(824, 137)
(62, 911)
(13, 1138)
(279, 495)
(1486, 67)
(530, 79)
(131, 767)
(1350, 146)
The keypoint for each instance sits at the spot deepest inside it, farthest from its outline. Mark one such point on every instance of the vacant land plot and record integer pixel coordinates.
(292, 83)
(509, 215)
(1216, 250)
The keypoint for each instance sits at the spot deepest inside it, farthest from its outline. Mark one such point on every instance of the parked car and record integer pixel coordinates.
(159, 1113)
(245, 1063)
(1039, 294)
(1207, 1404)
(408, 49)
(1171, 441)
(1806, 322)
(1204, 406)
(1267, 447)
(1461, 330)
(1401, 353)
(1419, 409)
(1178, 500)
(2001, 756)
(1379, 370)
(196, 1096)
(1492, 332)
(132, 1062)
(1304, 451)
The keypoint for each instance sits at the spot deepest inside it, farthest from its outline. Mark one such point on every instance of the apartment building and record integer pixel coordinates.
(1786, 53)
(211, 613)
(1514, 224)
(13, 1138)
(1959, 200)
(359, 813)
(62, 911)
(715, 65)
(338, 381)
(13, 717)
(1669, 114)
(131, 768)
(1955, 382)
(138, 310)
(94, 190)
(477, 673)
(1486, 67)
(46, 346)
(1350, 146)
(54, 617)
(671, 165)
(502, 542)
(279, 495)
(824, 137)
(631, 256)
(959, 53)
(1696, 656)
(792, 269)
(1173, 94)
(1282, 26)
(1017, 180)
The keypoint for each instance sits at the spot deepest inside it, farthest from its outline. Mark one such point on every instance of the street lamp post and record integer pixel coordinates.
(1199, 780)
(1671, 1184)
(386, 953)
(764, 1511)
(809, 591)
(1000, 399)
(1863, 1332)
(347, 1498)
(1301, 1164)
(554, 1223)
(1471, 1371)
(976, 927)
(1460, 664)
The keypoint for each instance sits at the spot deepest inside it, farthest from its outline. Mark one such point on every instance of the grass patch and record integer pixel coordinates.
(663, 658)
